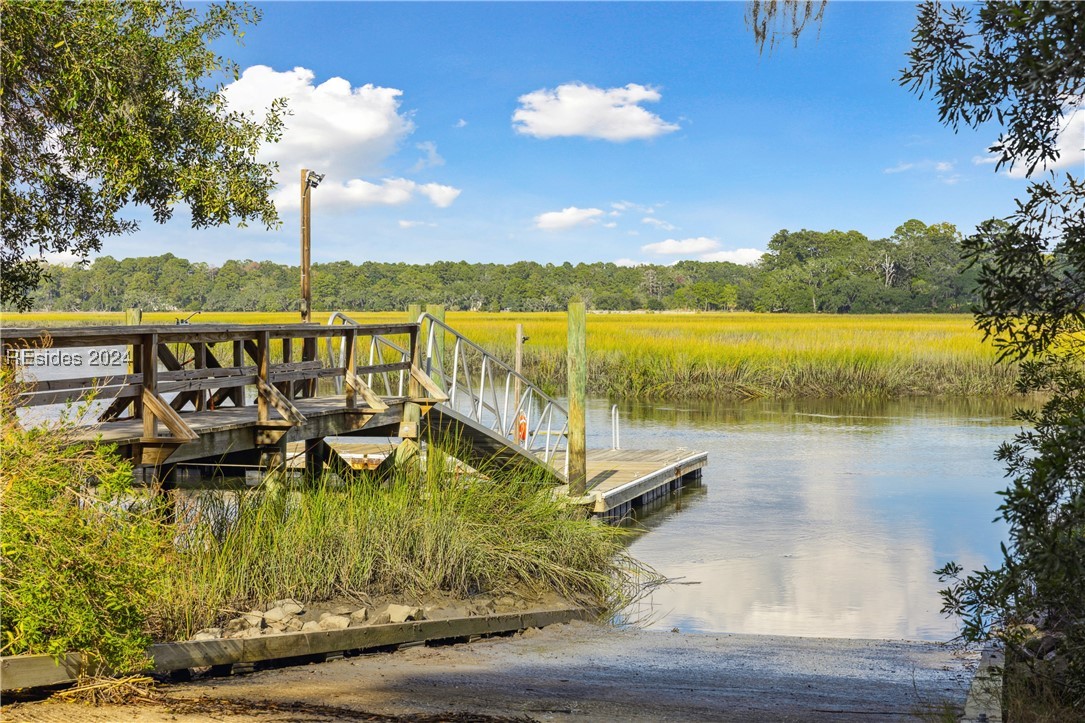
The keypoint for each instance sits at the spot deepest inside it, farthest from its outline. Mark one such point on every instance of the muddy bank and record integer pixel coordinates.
(579, 672)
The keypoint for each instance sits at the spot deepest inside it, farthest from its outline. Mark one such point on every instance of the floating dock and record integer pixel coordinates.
(621, 479)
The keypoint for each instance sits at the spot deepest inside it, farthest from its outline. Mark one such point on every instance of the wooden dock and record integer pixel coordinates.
(622, 479)
(248, 395)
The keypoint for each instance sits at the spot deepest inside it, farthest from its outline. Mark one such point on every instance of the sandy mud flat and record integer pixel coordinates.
(576, 671)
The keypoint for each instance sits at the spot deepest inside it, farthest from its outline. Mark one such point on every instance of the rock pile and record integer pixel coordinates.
(291, 616)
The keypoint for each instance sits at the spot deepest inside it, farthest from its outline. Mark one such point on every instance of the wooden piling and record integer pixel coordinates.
(577, 359)
(133, 317)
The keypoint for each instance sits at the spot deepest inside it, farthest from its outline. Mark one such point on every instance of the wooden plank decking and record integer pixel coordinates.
(619, 479)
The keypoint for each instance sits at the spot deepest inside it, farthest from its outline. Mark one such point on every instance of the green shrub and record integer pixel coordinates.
(79, 566)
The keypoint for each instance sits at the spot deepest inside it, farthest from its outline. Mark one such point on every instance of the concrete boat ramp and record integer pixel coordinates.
(579, 672)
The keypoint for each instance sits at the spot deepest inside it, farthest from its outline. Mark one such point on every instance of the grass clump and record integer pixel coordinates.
(80, 565)
(430, 529)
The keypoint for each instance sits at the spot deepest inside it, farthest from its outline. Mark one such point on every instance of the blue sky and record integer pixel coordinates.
(631, 132)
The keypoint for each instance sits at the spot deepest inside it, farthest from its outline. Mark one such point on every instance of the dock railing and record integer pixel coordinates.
(492, 394)
(479, 386)
(203, 367)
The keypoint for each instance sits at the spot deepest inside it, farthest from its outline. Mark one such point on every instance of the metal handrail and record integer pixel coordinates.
(479, 385)
(483, 388)
(381, 382)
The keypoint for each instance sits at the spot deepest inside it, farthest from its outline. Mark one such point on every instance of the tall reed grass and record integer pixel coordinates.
(434, 529)
(709, 355)
(715, 355)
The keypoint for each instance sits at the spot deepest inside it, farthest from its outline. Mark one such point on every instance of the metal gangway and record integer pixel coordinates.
(498, 410)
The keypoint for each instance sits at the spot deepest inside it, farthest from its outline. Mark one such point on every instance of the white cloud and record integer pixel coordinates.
(738, 256)
(658, 223)
(984, 160)
(900, 168)
(1070, 144)
(403, 223)
(439, 195)
(460, 123)
(627, 262)
(576, 109)
(341, 131)
(567, 218)
(611, 224)
(684, 247)
(389, 192)
(943, 170)
(431, 159)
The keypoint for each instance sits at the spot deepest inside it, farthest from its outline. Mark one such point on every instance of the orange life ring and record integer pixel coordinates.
(521, 428)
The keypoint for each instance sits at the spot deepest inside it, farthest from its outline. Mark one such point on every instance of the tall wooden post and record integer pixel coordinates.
(306, 290)
(133, 317)
(413, 312)
(577, 358)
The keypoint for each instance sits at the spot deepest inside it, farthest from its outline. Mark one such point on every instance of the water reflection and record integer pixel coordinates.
(820, 518)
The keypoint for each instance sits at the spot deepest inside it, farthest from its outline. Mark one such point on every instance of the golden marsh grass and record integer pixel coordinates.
(707, 355)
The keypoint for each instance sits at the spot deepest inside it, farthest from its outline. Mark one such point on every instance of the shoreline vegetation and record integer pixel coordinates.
(93, 564)
(706, 355)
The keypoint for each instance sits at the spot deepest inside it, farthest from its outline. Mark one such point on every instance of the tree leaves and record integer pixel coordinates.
(113, 104)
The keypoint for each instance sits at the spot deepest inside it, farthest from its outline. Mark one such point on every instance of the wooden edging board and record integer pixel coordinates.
(32, 671)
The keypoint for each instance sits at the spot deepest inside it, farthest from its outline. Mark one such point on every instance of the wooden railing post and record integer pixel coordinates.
(349, 338)
(199, 361)
(578, 383)
(263, 371)
(148, 356)
(238, 394)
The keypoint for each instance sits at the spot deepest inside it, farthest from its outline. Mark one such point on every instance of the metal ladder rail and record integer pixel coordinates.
(549, 431)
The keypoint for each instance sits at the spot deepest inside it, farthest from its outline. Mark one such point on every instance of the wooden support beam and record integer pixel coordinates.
(316, 456)
(357, 385)
(435, 393)
(270, 395)
(156, 406)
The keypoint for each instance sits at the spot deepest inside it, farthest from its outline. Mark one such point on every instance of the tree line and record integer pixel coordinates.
(917, 269)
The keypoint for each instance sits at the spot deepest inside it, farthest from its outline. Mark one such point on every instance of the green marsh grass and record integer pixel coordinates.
(710, 355)
(433, 529)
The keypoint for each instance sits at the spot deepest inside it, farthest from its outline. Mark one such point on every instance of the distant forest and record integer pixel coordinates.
(917, 269)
